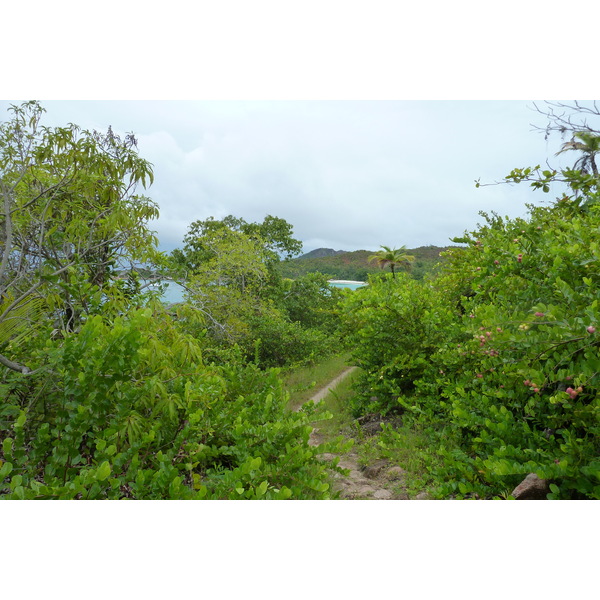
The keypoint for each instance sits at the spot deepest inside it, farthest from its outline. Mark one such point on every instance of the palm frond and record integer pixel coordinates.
(19, 320)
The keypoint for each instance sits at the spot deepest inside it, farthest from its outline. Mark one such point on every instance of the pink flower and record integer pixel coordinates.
(591, 329)
(539, 314)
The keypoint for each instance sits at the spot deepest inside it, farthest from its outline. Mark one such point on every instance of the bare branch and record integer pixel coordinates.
(8, 233)
(567, 118)
(14, 366)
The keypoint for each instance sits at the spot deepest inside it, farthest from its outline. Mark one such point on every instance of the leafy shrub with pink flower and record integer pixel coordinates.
(497, 357)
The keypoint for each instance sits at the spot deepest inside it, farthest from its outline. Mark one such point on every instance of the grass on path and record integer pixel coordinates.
(303, 383)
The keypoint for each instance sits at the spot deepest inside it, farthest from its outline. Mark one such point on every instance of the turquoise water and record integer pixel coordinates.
(347, 286)
(174, 292)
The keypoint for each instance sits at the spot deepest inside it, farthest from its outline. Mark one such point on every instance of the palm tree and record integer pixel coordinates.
(589, 145)
(392, 257)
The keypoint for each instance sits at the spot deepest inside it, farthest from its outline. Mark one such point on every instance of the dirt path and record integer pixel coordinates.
(378, 481)
(331, 385)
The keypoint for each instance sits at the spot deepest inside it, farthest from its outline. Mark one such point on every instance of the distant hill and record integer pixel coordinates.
(355, 265)
(320, 253)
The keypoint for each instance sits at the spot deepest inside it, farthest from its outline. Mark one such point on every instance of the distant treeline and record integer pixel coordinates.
(355, 265)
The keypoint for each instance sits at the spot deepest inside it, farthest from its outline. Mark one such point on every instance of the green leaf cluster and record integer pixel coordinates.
(231, 281)
(132, 410)
(497, 357)
(118, 396)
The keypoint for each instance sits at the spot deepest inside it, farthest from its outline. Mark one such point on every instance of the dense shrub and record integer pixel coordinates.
(127, 409)
(393, 327)
(103, 393)
(312, 302)
(276, 341)
(499, 353)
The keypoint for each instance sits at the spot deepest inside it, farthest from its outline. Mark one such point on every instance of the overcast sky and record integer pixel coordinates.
(347, 175)
(323, 122)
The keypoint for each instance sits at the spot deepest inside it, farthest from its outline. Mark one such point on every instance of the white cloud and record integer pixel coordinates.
(347, 175)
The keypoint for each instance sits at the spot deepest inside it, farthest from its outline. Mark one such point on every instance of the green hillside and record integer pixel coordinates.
(355, 265)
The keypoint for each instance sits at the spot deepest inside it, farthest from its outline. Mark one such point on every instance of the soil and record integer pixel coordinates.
(377, 481)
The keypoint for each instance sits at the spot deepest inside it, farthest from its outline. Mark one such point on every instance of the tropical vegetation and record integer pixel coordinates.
(490, 359)
(106, 392)
(392, 258)
(496, 358)
(355, 265)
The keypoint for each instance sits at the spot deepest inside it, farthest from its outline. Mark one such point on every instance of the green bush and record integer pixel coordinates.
(498, 354)
(274, 341)
(128, 409)
(312, 302)
(393, 327)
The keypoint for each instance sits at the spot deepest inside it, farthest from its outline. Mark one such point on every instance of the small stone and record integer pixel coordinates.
(347, 463)
(531, 488)
(365, 490)
(373, 470)
(422, 496)
(382, 495)
(395, 473)
(327, 456)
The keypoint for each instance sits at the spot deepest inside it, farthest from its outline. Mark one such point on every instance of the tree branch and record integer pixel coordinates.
(14, 366)
(8, 234)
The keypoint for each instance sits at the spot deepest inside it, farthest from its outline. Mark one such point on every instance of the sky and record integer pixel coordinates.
(346, 174)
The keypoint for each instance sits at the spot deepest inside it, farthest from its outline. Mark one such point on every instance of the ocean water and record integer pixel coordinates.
(174, 293)
(348, 285)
